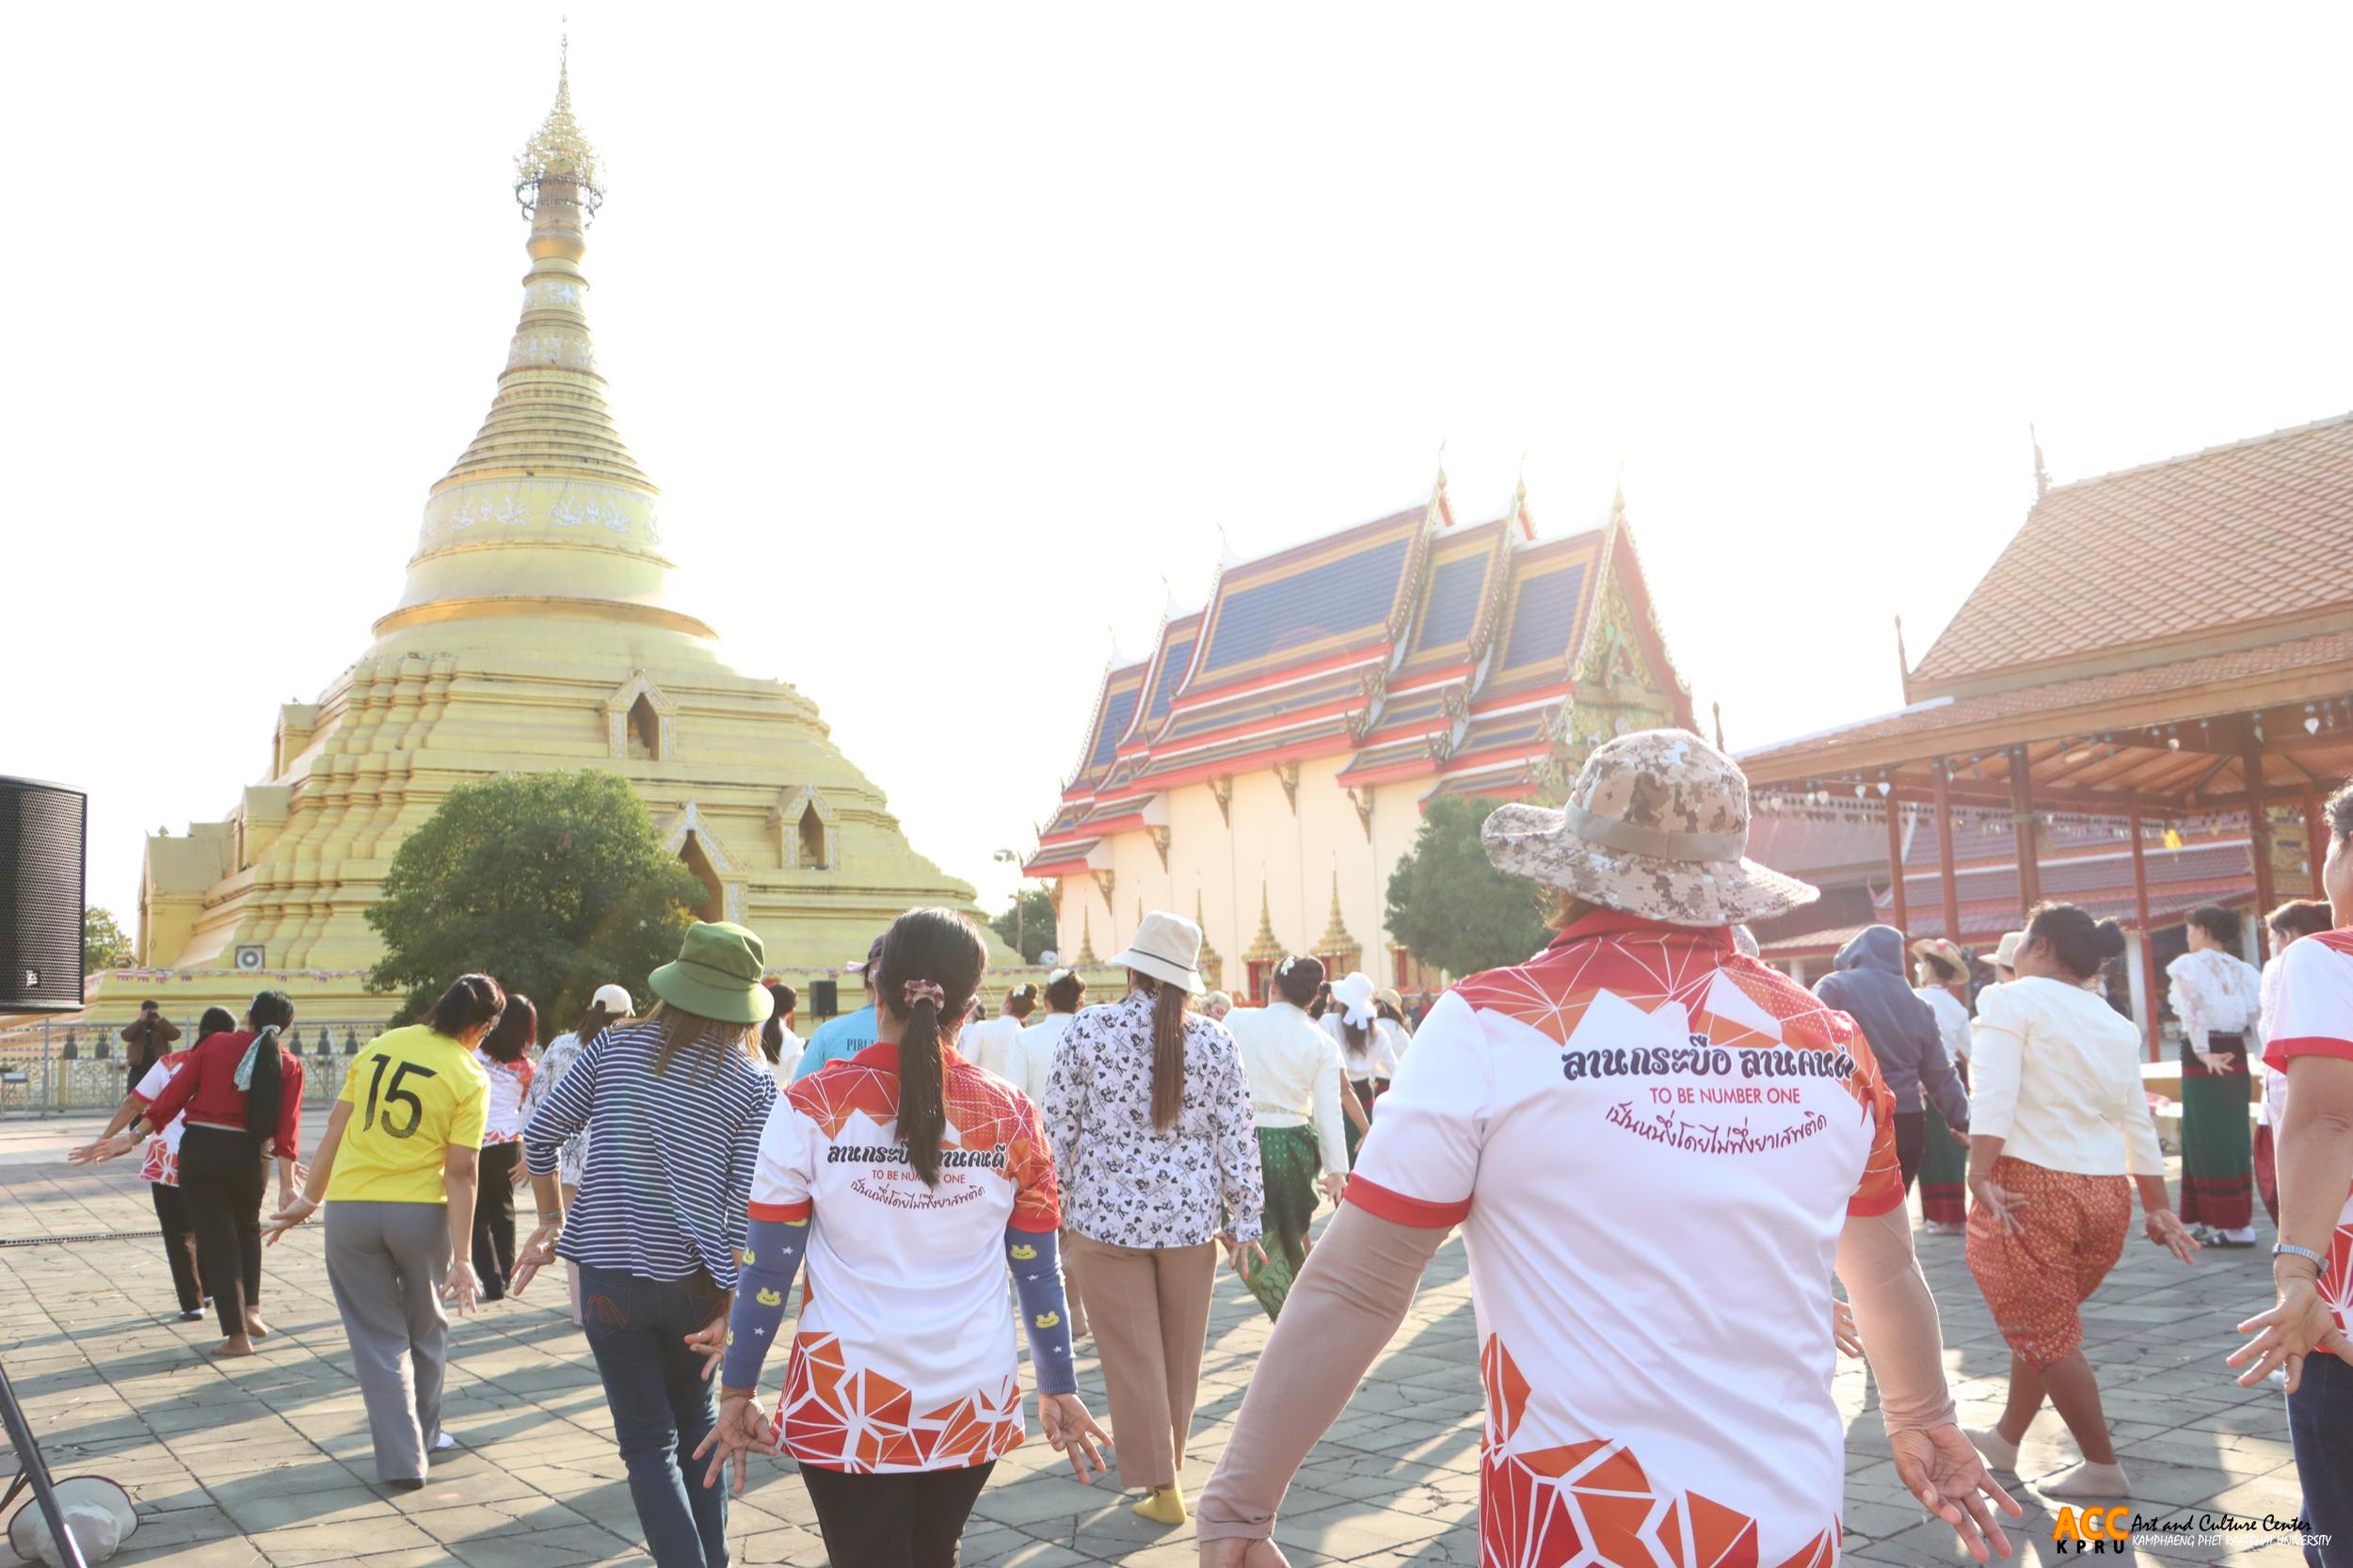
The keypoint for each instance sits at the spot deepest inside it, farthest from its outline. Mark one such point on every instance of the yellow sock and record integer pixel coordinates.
(1162, 1505)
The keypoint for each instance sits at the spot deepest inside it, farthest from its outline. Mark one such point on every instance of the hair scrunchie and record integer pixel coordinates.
(922, 990)
(266, 1036)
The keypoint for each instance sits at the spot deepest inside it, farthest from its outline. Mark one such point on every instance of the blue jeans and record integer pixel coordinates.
(2320, 1424)
(661, 1407)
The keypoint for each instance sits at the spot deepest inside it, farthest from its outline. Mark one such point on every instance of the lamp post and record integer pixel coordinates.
(1020, 905)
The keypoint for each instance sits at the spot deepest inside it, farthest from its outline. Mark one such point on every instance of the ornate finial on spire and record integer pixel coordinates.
(1264, 949)
(1438, 485)
(2042, 475)
(558, 151)
(1336, 945)
(1718, 710)
(1086, 940)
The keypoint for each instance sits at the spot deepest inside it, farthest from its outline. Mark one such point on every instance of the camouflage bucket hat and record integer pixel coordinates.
(1656, 825)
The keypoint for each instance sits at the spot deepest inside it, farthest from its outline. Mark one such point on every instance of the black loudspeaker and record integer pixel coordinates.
(42, 843)
(824, 999)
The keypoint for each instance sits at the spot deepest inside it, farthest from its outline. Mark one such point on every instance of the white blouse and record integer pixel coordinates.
(1381, 1052)
(2275, 1101)
(1294, 1074)
(2056, 1072)
(2214, 993)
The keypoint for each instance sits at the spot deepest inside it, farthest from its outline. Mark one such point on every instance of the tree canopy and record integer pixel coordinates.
(1452, 908)
(104, 944)
(1030, 919)
(554, 883)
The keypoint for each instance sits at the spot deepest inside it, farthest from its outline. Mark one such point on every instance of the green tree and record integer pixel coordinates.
(554, 883)
(1457, 912)
(1027, 926)
(103, 945)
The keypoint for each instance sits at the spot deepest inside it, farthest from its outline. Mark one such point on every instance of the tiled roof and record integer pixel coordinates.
(1543, 616)
(1114, 706)
(1058, 855)
(1461, 576)
(2245, 534)
(1373, 758)
(2099, 693)
(1170, 662)
(1346, 686)
(1509, 782)
(1332, 597)
(1529, 728)
(1253, 744)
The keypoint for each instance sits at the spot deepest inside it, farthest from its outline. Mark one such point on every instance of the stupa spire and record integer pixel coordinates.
(546, 513)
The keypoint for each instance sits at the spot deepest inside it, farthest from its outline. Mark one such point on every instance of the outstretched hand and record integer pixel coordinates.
(1943, 1470)
(1072, 1433)
(100, 1151)
(2300, 1326)
(741, 1430)
(294, 1210)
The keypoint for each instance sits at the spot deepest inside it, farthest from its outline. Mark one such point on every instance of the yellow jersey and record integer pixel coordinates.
(414, 1093)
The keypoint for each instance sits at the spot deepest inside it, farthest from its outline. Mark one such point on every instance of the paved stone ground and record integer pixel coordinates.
(266, 1462)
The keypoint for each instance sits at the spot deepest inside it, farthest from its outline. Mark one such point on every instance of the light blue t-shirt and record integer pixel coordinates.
(837, 1040)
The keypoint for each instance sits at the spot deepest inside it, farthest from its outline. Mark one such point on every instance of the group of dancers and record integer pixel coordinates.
(1664, 1151)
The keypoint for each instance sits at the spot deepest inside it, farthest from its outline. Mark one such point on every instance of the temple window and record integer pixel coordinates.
(714, 904)
(811, 833)
(644, 731)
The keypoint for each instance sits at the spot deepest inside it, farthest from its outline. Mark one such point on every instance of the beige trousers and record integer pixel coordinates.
(1149, 1308)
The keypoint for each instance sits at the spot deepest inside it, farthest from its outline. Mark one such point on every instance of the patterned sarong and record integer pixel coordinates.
(2217, 1148)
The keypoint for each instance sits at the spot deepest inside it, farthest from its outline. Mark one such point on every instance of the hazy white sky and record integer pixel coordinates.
(948, 332)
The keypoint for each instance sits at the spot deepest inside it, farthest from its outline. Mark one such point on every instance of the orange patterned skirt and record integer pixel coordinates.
(2035, 1282)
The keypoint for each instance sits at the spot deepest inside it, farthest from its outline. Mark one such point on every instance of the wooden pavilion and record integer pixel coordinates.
(2168, 647)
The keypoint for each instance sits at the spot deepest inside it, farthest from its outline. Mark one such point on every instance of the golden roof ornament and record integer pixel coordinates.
(1265, 948)
(559, 151)
(1335, 944)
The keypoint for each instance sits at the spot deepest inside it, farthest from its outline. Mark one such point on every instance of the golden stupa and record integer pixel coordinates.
(535, 631)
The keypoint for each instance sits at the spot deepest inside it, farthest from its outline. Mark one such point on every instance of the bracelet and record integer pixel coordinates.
(2286, 1249)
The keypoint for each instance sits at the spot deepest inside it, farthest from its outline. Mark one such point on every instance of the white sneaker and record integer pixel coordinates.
(1944, 1227)
(443, 1440)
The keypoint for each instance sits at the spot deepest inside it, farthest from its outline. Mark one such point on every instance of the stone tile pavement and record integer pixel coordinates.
(266, 1462)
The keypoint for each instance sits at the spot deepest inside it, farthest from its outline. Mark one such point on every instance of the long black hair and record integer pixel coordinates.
(1168, 1045)
(513, 1034)
(927, 947)
(272, 1011)
(593, 1022)
(787, 1000)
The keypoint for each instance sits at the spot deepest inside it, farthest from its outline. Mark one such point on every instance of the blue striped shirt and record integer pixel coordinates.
(669, 1179)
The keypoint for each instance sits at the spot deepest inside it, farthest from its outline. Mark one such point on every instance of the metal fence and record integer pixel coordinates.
(50, 1069)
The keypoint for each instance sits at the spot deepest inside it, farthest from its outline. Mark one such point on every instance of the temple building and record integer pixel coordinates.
(2139, 710)
(535, 631)
(1265, 765)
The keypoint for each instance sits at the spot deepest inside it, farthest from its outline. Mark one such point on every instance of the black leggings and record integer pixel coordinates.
(171, 1212)
(908, 1520)
(220, 1180)
(494, 1219)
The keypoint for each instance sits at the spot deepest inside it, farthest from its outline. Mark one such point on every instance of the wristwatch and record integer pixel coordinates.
(2286, 1249)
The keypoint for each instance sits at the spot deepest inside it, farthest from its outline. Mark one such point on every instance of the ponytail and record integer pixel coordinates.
(1168, 1050)
(592, 1023)
(260, 1074)
(929, 971)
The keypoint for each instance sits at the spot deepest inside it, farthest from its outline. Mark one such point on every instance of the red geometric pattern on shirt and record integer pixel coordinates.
(2336, 1276)
(1591, 1504)
(855, 1420)
(982, 1108)
(1649, 968)
(159, 1161)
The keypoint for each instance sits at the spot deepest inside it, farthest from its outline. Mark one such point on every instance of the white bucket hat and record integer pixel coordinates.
(1167, 947)
(1655, 825)
(1354, 995)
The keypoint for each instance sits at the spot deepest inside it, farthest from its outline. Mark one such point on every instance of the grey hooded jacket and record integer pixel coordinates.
(1869, 987)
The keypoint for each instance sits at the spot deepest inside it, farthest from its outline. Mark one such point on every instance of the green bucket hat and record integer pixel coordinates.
(717, 975)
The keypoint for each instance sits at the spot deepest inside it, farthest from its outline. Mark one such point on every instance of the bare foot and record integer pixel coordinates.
(236, 1344)
(255, 1328)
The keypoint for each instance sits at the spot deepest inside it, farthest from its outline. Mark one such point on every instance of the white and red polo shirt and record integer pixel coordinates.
(160, 1161)
(904, 1357)
(2315, 1018)
(1651, 1144)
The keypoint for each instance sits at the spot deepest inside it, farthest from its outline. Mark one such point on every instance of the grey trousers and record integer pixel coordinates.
(386, 1262)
